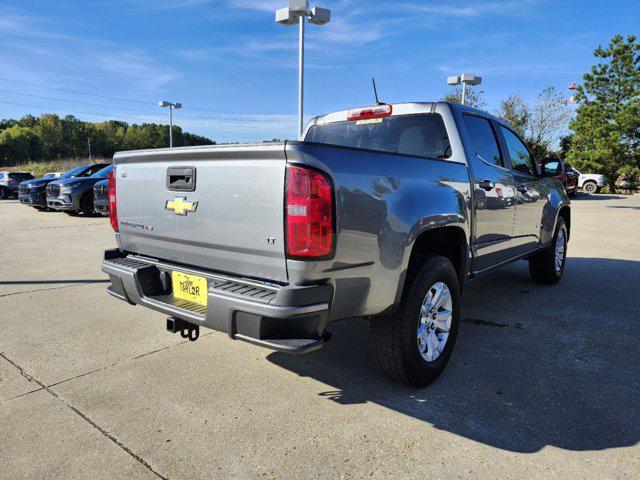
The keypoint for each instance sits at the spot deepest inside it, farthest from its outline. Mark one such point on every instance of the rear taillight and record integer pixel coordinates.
(113, 206)
(370, 112)
(308, 214)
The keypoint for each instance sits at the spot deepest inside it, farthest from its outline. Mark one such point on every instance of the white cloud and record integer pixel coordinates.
(468, 9)
(136, 67)
(261, 5)
(15, 24)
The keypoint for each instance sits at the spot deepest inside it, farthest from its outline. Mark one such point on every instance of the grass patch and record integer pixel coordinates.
(38, 169)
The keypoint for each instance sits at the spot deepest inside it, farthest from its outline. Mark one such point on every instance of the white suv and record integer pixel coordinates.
(590, 182)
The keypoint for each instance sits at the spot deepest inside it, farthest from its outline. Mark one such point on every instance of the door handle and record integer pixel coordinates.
(486, 185)
(523, 189)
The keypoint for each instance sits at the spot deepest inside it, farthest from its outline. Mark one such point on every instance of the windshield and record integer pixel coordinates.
(104, 173)
(74, 172)
(20, 176)
(423, 135)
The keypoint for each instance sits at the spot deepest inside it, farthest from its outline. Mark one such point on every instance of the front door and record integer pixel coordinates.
(531, 194)
(494, 194)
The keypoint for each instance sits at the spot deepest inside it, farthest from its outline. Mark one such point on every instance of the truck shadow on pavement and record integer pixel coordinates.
(534, 366)
(599, 196)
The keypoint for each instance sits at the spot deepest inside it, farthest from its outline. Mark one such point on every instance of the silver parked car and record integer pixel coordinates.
(10, 183)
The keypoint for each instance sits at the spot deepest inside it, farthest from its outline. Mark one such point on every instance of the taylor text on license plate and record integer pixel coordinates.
(189, 287)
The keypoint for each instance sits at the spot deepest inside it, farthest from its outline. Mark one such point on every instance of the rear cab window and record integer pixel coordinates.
(422, 135)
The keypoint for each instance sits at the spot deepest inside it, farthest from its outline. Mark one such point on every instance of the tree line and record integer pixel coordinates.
(50, 137)
(603, 134)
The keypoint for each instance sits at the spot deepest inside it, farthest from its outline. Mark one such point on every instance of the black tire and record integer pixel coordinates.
(71, 213)
(393, 338)
(86, 204)
(3, 193)
(573, 193)
(542, 265)
(590, 187)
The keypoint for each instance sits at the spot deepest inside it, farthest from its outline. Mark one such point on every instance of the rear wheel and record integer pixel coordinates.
(547, 266)
(3, 193)
(414, 345)
(590, 187)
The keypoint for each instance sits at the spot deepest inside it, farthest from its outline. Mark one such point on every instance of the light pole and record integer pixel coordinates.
(464, 79)
(171, 106)
(296, 13)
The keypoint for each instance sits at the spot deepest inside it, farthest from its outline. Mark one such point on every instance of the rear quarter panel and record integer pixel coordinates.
(383, 203)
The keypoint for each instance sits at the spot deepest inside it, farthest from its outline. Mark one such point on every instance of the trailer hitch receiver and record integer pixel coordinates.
(186, 329)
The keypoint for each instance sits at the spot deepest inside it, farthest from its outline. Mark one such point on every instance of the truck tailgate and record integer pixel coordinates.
(231, 222)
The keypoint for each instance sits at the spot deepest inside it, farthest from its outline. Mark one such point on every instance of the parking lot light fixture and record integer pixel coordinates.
(297, 13)
(171, 105)
(464, 79)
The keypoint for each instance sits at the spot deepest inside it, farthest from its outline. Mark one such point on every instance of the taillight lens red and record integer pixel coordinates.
(370, 112)
(309, 213)
(113, 207)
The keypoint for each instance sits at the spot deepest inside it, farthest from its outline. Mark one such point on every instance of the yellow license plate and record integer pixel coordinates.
(189, 287)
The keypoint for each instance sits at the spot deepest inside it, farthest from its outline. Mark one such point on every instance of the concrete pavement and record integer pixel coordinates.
(544, 382)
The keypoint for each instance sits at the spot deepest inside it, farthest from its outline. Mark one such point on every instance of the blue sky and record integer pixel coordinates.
(235, 70)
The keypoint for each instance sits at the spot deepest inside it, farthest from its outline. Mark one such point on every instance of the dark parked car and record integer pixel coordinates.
(73, 195)
(562, 171)
(10, 182)
(33, 192)
(101, 198)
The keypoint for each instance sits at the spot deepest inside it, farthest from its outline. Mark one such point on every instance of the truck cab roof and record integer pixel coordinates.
(406, 108)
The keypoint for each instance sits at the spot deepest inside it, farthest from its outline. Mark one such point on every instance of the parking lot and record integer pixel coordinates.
(544, 381)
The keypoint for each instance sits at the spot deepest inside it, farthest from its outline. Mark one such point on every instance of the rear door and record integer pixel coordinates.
(494, 194)
(230, 219)
(531, 193)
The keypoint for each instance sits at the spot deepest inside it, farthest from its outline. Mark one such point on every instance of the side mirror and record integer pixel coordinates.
(551, 167)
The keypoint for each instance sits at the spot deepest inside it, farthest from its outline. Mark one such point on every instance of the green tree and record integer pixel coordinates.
(516, 113)
(541, 123)
(607, 125)
(51, 129)
(19, 145)
(7, 123)
(473, 98)
(54, 137)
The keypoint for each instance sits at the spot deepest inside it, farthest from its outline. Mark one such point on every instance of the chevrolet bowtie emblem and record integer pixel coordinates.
(180, 206)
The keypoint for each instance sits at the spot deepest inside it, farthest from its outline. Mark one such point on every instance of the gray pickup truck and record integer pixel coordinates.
(382, 212)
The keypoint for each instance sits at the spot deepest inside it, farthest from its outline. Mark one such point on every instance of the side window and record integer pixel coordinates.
(483, 139)
(521, 160)
(90, 171)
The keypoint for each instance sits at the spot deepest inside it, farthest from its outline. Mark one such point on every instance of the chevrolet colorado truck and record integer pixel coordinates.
(383, 212)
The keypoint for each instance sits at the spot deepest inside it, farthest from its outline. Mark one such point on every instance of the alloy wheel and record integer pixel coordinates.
(560, 248)
(434, 325)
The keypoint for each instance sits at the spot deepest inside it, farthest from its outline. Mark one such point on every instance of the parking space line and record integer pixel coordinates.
(84, 417)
